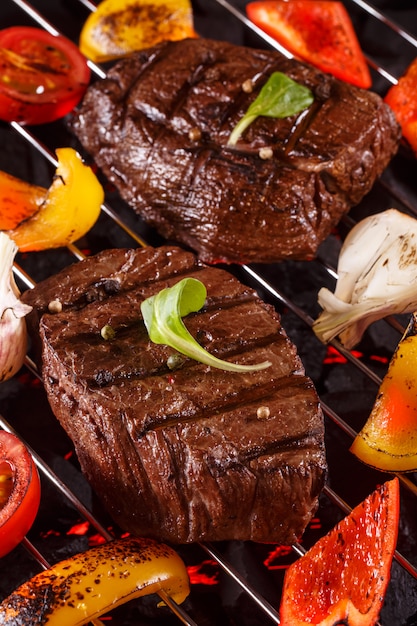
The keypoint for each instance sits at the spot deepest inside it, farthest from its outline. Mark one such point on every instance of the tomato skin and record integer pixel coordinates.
(18, 512)
(42, 76)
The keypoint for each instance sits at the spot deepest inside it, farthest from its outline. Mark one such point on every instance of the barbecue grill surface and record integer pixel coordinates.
(346, 383)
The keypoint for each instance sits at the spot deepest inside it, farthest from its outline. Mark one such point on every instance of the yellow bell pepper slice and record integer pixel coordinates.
(388, 440)
(83, 587)
(119, 27)
(69, 208)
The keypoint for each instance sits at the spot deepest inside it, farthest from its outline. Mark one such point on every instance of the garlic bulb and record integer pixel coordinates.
(377, 276)
(13, 332)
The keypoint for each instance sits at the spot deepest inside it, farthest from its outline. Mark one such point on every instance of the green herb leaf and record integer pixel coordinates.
(163, 314)
(279, 97)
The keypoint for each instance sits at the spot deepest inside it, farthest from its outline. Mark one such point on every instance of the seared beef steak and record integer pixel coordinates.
(159, 124)
(189, 454)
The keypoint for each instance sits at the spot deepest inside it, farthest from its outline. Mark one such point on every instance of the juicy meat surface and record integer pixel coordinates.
(189, 454)
(159, 123)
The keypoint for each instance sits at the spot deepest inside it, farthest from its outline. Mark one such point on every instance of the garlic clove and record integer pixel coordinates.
(13, 331)
(377, 276)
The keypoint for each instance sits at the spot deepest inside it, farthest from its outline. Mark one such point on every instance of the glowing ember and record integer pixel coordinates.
(204, 573)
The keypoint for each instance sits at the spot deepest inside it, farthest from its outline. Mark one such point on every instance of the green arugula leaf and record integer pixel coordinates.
(279, 97)
(163, 313)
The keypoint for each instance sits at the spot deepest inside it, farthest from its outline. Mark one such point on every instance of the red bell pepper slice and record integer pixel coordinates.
(343, 578)
(319, 32)
(402, 98)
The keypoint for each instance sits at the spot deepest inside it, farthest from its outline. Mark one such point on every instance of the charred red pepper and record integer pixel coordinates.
(402, 98)
(317, 31)
(342, 579)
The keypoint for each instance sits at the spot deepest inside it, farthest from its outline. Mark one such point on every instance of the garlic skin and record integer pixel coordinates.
(13, 331)
(377, 276)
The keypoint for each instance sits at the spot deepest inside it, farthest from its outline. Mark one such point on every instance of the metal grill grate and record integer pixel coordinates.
(347, 387)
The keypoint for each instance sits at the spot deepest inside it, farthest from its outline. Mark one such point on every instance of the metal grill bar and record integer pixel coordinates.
(262, 283)
(404, 34)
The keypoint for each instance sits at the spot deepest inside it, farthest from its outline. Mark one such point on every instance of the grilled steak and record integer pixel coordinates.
(193, 453)
(159, 124)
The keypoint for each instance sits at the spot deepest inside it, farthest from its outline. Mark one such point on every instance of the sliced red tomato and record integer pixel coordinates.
(19, 491)
(317, 31)
(343, 578)
(42, 76)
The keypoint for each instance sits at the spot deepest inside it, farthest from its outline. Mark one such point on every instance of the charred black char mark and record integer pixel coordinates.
(133, 331)
(104, 378)
(102, 290)
(256, 395)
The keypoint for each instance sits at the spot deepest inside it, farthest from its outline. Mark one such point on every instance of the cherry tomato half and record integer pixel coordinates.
(42, 76)
(19, 491)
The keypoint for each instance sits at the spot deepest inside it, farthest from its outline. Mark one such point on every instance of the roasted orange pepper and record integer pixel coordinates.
(343, 578)
(388, 440)
(118, 27)
(18, 200)
(402, 98)
(37, 218)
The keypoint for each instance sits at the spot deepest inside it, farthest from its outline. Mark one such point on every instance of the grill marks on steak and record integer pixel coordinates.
(194, 453)
(158, 126)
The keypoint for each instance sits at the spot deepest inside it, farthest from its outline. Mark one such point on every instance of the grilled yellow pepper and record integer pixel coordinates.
(83, 587)
(118, 27)
(70, 206)
(388, 440)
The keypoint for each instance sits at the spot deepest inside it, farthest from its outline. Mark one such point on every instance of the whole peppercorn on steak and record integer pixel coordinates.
(192, 453)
